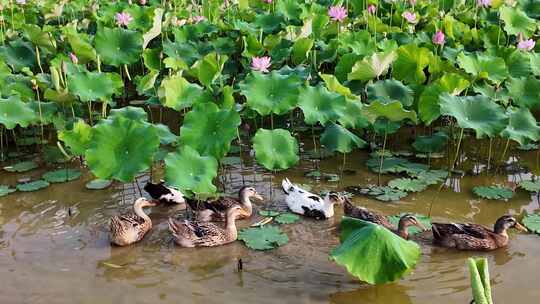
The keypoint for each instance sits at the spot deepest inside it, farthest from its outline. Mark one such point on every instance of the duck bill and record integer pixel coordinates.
(421, 226)
(259, 197)
(520, 227)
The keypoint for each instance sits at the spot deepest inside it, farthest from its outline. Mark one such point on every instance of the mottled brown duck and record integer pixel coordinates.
(130, 228)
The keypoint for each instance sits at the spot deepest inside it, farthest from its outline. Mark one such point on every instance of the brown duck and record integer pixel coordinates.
(406, 221)
(205, 234)
(474, 236)
(130, 228)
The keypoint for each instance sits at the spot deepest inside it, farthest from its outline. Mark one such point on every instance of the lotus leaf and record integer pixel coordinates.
(209, 68)
(393, 111)
(61, 175)
(321, 105)
(116, 150)
(390, 90)
(166, 137)
(14, 112)
(77, 139)
(408, 184)
(390, 164)
(531, 186)
(522, 127)
(177, 93)
(287, 218)
(532, 222)
(351, 116)
(360, 42)
(268, 213)
(263, 238)
(118, 46)
(411, 62)
(33, 186)
(155, 31)
(518, 63)
(372, 67)
(475, 112)
(493, 192)
(5, 190)
(337, 138)
(98, 184)
(39, 37)
(525, 91)
(271, 93)
(480, 283)
(484, 66)
(516, 21)
(146, 83)
(430, 144)
(425, 220)
(300, 50)
(373, 253)
(130, 112)
(386, 193)
(90, 86)
(189, 171)
(209, 130)
(431, 177)
(22, 166)
(80, 44)
(275, 149)
(19, 54)
(333, 85)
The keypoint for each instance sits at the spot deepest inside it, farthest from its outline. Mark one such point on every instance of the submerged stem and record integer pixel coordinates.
(382, 155)
(457, 148)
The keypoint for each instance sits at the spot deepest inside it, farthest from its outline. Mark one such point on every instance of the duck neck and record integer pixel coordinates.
(138, 209)
(500, 230)
(230, 226)
(329, 208)
(246, 203)
(402, 230)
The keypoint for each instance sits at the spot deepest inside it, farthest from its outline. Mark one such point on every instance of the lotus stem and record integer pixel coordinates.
(127, 72)
(391, 13)
(38, 60)
(240, 151)
(2, 143)
(382, 155)
(489, 153)
(505, 149)
(99, 63)
(457, 148)
(40, 114)
(90, 113)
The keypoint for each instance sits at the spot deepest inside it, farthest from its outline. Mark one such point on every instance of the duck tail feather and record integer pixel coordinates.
(286, 185)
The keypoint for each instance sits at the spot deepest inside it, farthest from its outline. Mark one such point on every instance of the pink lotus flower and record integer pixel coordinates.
(268, 1)
(337, 13)
(526, 45)
(411, 17)
(371, 9)
(412, 2)
(123, 18)
(438, 38)
(483, 3)
(73, 58)
(260, 64)
(197, 19)
(142, 2)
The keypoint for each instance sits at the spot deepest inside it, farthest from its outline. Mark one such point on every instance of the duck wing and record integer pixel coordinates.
(366, 215)
(163, 193)
(441, 231)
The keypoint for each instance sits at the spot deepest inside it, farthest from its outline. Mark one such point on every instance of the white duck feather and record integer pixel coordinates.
(309, 204)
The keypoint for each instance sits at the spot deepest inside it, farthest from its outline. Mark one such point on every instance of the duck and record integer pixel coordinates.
(309, 204)
(164, 193)
(473, 236)
(205, 234)
(407, 220)
(130, 228)
(215, 210)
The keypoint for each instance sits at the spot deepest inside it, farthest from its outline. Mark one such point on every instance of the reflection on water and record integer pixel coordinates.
(54, 247)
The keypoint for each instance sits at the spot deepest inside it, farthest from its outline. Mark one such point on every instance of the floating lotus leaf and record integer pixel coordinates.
(210, 130)
(392, 111)
(14, 112)
(390, 90)
(425, 220)
(61, 175)
(118, 46)
(480, 282)
(408, 184)
(320, 105)
(189, 171)
(431, 177)
(287, 218)
(268, 213)
(275, 149)
(516, 21)
(93, 86)
(333, 85)
(532, 222)
(390, 164)
(263, 238)
(166, 137)
(33, 186)
(430, 144)
(475, 112)
(531, 186)
(98, 184)
(522, 127)
(19, 54)
(116, 150)
(5, 190)
(372, 67)
(22, 166)
(484, 66)
(411, 62)
(337, 138)
(271, 93)
(525, 91)
(386, 194)
(373, 253)
(178, 93)
(209, 68)
(78, 138)
(493, 192)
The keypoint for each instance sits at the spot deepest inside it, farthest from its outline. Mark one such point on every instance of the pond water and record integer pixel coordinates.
(54, 247)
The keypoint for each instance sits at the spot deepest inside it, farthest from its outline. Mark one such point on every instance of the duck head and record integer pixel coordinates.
(506, 222)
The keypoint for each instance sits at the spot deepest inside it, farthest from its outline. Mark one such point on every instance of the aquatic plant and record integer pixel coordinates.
(480, 282)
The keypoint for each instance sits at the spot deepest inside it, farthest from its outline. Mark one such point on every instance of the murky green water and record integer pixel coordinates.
(48, 256)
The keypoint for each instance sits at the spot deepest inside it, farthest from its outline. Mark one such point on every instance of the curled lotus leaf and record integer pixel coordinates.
(177, 93)
(19, 54)
(271, 93)
(337, 138)
(372, 66)
(525, 92)
(14, 112)
(532, 222)
(118, 46)
(333, 85)
(475, 112)
(275, 149)
(516, 21)
(484, 66)
(78, 138)
(320, 105)
(263, 238)
(189, 171)
(480, 282)
(390, 90)
(522, 127)
(411, 62)
(393, 111)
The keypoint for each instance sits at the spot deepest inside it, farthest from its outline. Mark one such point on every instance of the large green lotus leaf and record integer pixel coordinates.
(430, 144)
(425, 220)
(39, 37)
(118, 46)
(411, 62)
(475, 112)
(373, 66)
(49, 111)
(209, 68)
(183, 51)
(80, 44)
(14, 112)
(453, 83)
(516, 21)
(152, 60)
(428, 104)
(373, 253)
(209, 130)
(117, 150)
(344, 66)
(333, 85)
(271, 93)
(156, 27)
(535, 63)
(518, 63)
(493, 192)
(337, 138)
(351, 115)
(145, 84)
(300, 50)
(483, 66)
(61, 175)
(392, 111)
(90, 86)
(522, 127)
(263, 238)
(320, 105)
(525, 91)
(390, 90)
(129, 112)
(166, 137)
(178, 93)
(23, 166)
(275, 149)
(360, 42)
(480, 282)
(77, 139)
(5, 190)
(189, 171)
(532, 222)
(19, 54)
